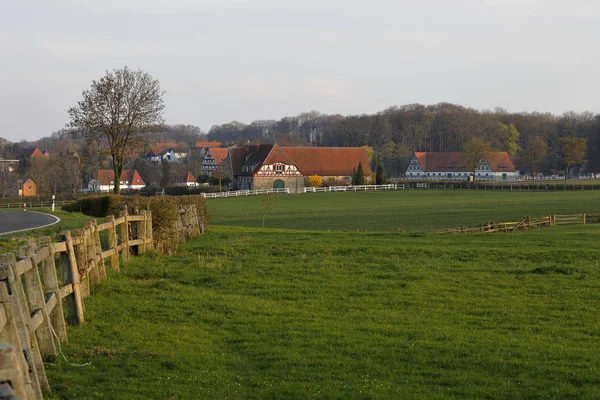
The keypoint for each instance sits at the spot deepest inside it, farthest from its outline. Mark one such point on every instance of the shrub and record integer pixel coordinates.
(315, 181)
(165, 212)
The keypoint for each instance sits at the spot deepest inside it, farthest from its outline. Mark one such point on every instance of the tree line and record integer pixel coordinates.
(395, 133)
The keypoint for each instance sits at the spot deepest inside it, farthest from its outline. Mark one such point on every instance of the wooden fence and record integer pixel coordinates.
(527, 223)
(41, 282)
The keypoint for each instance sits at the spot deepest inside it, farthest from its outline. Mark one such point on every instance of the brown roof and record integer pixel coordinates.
(208, 144)
(252, 156)
(218, 154)
(328, 161)
(453, 162)
(323, 161)
(106, 176)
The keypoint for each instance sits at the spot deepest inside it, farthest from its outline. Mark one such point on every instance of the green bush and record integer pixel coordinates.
(164, 209)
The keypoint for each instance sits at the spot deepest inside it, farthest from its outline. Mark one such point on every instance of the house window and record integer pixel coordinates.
(279, 168)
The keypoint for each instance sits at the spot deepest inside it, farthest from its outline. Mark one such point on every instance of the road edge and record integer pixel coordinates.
(37, 227)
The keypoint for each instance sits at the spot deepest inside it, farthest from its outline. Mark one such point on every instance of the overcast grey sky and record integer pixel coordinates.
(224, 60)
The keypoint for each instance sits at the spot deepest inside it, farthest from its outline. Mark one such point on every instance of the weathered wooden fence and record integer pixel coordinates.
(527, 223)
(41, 282)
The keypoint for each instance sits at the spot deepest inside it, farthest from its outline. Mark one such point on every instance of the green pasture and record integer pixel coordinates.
(415, 210)
(245, 313)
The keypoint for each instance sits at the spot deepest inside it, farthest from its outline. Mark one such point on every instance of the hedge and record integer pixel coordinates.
(164, 209)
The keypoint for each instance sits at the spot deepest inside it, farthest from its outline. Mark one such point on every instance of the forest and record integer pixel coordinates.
(397, 131)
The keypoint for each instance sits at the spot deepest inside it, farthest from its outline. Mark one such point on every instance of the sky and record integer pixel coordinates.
(244, 60)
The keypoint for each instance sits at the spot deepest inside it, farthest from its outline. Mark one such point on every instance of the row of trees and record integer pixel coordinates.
(397, 132)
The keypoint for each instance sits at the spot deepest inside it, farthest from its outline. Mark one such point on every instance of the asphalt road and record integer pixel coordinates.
(15, 221)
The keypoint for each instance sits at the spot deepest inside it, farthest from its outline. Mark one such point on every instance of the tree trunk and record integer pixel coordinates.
(117, 171)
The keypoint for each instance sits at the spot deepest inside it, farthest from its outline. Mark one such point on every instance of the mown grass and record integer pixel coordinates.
(68, 221)
(246, 313)
(418, 210)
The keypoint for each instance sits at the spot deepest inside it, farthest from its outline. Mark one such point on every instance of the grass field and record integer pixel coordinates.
(246, 313)
(416, 210)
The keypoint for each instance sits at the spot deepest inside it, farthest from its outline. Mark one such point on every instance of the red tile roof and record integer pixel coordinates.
(328, 161)
(190, 178)
(208, 144)
(218, 154)
(322, 161)
(453, 162)
(107, 177)
(37, 153)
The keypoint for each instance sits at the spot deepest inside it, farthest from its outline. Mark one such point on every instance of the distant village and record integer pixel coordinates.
(209, 164)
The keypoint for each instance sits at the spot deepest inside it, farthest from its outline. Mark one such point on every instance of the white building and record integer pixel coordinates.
(450, 166)
(130, 179)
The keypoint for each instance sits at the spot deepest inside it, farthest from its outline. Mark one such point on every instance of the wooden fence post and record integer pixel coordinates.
(90, 251)
(125, 236)
(584, 218)
(57, 316)
(68, 263)
(13, 335)
(27, 335)
(37, 303)
(11, 371)
(149, 233)
(79, 246)
(196, 220)
(141, 232)
(98, 246)
(112, 243)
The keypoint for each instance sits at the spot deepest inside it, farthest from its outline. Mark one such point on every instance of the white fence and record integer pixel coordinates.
(33, 204)
(239, 193)
(361, 188)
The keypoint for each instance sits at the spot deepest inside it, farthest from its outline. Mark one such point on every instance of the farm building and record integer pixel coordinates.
(105, 182)
(269, 166)
(451, 166)
(185, 179)
(213, 158)
(27, 188)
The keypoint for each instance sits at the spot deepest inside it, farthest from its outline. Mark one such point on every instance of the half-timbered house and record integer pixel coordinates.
(213, 159)
(269, 166)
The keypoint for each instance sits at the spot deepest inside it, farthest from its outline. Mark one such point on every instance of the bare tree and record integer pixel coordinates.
(537, 149)
(115, 110)
(476, 151)
(267, 201)
(573, 152)
(220, 173)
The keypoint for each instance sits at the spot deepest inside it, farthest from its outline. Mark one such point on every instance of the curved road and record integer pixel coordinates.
(16, 221)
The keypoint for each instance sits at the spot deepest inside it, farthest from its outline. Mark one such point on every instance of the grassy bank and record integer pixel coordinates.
(245, 313)
(418, 210)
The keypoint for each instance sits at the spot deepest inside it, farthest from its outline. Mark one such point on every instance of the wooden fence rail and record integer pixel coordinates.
(527, 222)
(41, 282)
